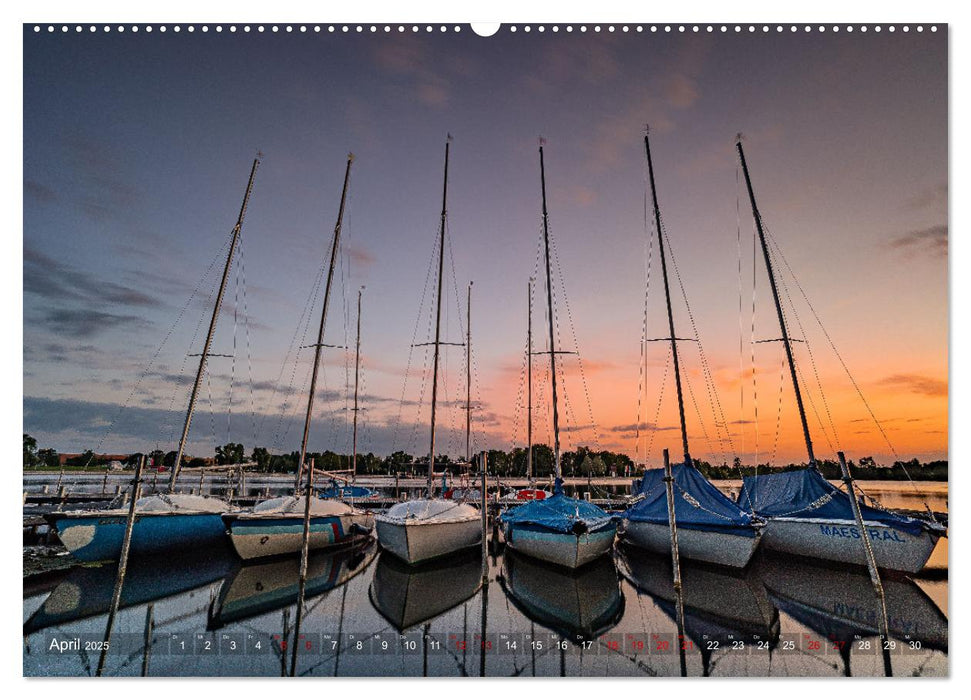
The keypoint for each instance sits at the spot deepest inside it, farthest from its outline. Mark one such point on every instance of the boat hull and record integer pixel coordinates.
(840, 541)
(566, 549)
(96, 536)
(417, 540)
(712, 546)
(259, 536)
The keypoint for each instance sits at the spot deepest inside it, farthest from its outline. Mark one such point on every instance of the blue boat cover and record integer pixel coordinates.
(346, 491)
(805, 493)
(559, 513)
(698, 504)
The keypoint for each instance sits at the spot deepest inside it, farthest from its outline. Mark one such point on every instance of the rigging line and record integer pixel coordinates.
(192, 342)
(713, 398)
(755, 387)
(657, 411)
(805, 384)
(308, 304)
(839, 357)
(249, 361)
(414, 338)
(778, 418)
(305, 320)
(576, 346)
(644, 368)
(232, 365)
(741, 344)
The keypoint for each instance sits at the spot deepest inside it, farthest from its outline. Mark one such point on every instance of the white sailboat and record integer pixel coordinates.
(424, 529)
(276, 526)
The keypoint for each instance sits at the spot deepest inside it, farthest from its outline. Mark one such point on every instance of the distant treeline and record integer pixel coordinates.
(581, 462)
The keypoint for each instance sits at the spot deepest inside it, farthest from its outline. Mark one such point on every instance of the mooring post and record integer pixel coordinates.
(122, 564)
(483, 469)
(104, 483)
(675, 560)
(304, 555)
(149, 628)
(871, 562)
(202, 480)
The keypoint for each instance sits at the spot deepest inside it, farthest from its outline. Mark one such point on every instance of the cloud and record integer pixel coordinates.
(680, 91)
(409, 58)
(932, 239)
(52, 279)
(917, 384)
(359, 255)
(633, 427)
(85, 323)
(933, 197)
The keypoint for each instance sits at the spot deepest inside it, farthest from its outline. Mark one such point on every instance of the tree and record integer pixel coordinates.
(48, 457)
(262, 458)
(30, 451)
(230, 453)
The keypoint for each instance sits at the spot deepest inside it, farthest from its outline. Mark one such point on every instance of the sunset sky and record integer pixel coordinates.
(136, 153)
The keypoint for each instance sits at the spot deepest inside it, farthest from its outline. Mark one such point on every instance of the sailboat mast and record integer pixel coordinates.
(529, 382)
(468, 376)
(357, 373)
(778, 307)
(320, 331)
(549, 302)
(212, 325)
(438, 321)
(667, 297)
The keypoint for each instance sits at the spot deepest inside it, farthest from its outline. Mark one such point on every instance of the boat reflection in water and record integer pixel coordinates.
(258, 588)
(579, 604)
(840, 605)
(721, 605)
(86, 591)
(407, 596)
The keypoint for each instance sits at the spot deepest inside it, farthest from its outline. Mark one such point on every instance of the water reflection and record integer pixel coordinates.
(86, 590)
(840, 605)
(407, 596)
(580, 604)
(256, 589)
(722, 606)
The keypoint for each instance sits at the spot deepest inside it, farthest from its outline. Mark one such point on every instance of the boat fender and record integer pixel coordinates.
(358, 529)
(579, 527)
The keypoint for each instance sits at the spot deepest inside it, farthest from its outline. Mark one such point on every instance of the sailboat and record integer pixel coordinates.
(561, 530)
(427, 528)
(276, 526)
(352, 491)
(711, 527)
(806, 514)
(163, 521)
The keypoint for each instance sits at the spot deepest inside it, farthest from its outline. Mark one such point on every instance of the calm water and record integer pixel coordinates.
(366, 614)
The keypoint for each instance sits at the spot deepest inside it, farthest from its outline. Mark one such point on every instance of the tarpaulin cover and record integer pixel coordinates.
(347, 491)
(559, 513)
(698, 504)
(806, 494)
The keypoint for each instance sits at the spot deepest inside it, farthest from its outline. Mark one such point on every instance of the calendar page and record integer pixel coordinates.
(516, 350)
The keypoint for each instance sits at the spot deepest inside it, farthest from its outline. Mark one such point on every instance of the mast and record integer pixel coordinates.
(529, 382)
(357, 373)
(787, 343)
(667, 297)
(212, 324)
(549, 302)
(438, 320)
(468, 377)
(320, 331)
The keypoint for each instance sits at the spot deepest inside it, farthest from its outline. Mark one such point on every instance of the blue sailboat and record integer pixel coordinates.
(163, 521)
(561, 530)
(711, 527)
(807, 515)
